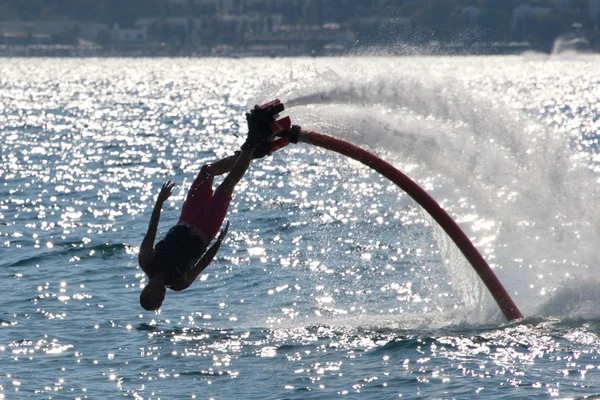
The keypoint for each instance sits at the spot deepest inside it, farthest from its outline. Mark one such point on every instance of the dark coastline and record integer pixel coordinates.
(57, 51)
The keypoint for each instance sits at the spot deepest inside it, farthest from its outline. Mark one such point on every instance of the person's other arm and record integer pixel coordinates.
(206, 259)
(146, 254)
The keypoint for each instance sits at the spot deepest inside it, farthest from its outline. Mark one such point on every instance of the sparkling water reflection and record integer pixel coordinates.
(331, 283)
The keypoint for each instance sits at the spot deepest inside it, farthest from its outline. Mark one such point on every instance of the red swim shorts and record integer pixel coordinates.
(203, 209)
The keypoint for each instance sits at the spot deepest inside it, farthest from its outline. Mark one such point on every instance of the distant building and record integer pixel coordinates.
(182, 30)
(8, 38)
(215, 6)
(595, 10)
(84, 30)
(525, 10)
(562, 5)
(471, 13)
(131, 35)
(522, 13)
(295, 38)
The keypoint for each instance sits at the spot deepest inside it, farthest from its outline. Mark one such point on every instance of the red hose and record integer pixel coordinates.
(506, 304)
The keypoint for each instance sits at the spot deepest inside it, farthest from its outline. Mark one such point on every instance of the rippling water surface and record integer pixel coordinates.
(332, 283)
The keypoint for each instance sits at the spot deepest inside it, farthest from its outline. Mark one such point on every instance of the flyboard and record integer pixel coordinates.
(285, 133)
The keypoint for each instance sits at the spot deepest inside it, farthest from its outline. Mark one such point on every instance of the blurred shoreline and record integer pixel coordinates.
(431, 49)
(268, 28)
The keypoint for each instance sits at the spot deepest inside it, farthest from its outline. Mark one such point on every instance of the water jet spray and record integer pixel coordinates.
(286, 134)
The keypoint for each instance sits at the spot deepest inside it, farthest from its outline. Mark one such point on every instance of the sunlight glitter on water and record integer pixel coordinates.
(331, 282)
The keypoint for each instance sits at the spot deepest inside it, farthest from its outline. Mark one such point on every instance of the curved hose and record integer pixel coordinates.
(500, 295)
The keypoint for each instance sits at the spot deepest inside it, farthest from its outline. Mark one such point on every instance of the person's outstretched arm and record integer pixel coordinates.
(207, 258)
(146, 254)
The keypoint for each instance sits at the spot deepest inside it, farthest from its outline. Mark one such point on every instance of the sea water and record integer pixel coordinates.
(332, 283)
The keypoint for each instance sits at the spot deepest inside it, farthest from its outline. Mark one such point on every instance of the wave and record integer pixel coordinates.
(378, 342)
(6, 322)
(73, 249)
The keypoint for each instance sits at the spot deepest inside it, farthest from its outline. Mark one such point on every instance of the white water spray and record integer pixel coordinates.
(514, 185)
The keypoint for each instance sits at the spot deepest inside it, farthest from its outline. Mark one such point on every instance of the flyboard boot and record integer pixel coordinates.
(264, 127)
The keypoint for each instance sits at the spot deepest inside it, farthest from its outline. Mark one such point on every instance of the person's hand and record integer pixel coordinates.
(223, 232)
(165, 191)
(259, 126)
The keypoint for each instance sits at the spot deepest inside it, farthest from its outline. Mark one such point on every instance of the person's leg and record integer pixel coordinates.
(237, 172)
(216, 212)
(198, 197)
(263, 149)
(200, 194)
(221, 166)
